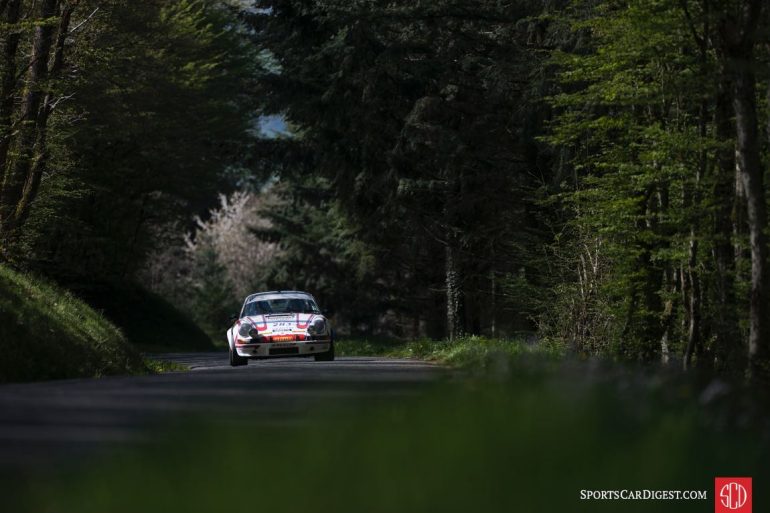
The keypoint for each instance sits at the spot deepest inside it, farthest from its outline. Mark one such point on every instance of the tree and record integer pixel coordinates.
(739, 37)
(419, 132)
(11, 38)
(157, 113)
(645, 108)
(26, 142)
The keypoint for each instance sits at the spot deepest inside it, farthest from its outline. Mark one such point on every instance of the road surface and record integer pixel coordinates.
(42, 424)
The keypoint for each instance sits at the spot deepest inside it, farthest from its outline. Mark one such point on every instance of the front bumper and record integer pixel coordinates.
(278, 349)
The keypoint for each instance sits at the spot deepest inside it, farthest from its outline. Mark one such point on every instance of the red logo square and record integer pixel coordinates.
(732, 495)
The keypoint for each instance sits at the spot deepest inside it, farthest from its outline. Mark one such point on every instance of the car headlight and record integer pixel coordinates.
(247, 331)
(318, 327)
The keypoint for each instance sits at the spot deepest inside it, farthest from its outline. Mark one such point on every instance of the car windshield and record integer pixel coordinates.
(280, 306)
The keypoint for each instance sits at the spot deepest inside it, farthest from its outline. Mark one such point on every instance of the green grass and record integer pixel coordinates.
(47, 333)
(479, 354)
(528, 444)
(162, 366)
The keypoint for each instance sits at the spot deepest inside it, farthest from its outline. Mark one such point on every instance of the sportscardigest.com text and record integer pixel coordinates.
(643, 495)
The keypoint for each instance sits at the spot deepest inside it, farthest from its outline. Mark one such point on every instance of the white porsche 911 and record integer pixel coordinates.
(280, 323)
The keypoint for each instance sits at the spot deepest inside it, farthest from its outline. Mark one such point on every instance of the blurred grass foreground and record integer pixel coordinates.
(528, 442)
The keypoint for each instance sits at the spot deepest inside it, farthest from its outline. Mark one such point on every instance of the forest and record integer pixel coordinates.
(585, 173)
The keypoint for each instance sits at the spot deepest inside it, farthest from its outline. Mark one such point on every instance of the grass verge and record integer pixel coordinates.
(47, 333)
(163, 366)
(472, 353)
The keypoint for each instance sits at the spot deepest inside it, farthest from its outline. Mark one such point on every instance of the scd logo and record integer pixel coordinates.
(732, 495)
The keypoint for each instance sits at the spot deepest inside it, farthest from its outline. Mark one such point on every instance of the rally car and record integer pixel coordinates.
(280, 323)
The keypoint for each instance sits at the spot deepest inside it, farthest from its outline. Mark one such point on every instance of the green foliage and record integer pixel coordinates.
(47, 333)
(641, 108)
(322, 253)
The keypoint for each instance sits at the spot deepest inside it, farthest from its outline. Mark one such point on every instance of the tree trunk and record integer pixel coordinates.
(455, 278)
(40, 161)
(17, 179)
(669, 313)
(748, 163)
(8, 79)
(693, 347)
(454, 295)
(670, 279)
(749, 167)
(727, 353)
(693, 304)
(493, 303)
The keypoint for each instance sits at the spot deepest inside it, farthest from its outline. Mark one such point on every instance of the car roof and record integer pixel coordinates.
(279, 294)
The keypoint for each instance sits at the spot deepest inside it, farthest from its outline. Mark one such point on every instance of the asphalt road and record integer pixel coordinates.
(42, 424)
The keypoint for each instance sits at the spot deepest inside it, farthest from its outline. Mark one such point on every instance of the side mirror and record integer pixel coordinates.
(328, 312)
(233, 318)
